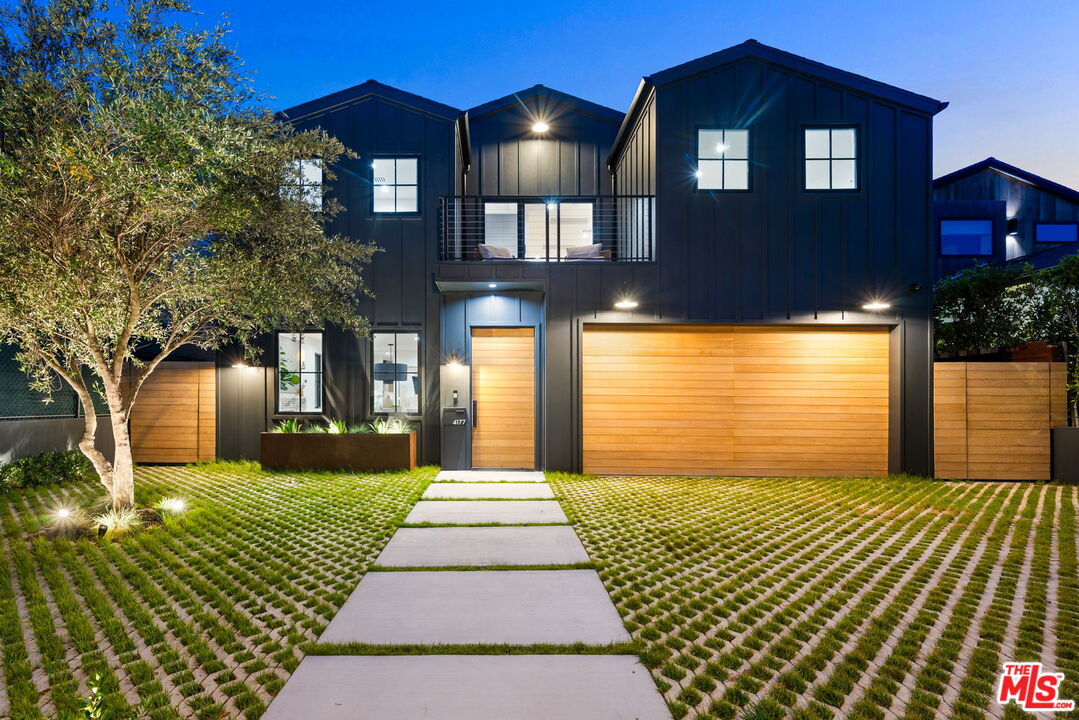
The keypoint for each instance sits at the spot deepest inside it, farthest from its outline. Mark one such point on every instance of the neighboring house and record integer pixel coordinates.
(993, 212)
(731, 278)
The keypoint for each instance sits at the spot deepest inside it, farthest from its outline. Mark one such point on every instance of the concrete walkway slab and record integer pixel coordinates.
(470, 687)
(519, 607)
(490, 476)
(509, 491)
(433, 547)
(475, 512)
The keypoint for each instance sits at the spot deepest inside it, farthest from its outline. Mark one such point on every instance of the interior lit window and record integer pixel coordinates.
(1056, 232)
(396, 185)
(723, 159)
(304, 181)
(831, 159)
(396, 374)
(966, 237)
(500, 225)
(299, 372)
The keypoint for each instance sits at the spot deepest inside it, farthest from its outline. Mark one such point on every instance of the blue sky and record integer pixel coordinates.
(1008, 69)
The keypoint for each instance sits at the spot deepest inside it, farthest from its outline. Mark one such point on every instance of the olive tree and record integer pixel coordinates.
(147, 201)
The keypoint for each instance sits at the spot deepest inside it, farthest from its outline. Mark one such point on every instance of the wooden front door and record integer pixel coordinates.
(503, 398)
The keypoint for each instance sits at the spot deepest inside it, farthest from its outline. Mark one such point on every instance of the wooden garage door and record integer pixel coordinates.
(735, 400)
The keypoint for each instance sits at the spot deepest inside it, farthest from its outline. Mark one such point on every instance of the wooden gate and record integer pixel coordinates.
(174, 419)
(993, 419)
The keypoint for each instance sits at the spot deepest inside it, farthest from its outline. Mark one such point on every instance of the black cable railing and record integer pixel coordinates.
(610, 228)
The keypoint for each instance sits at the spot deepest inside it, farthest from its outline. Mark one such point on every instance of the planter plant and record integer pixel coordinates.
(387, 444)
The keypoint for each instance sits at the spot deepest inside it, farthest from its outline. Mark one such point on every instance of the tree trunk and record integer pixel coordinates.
(123, 468)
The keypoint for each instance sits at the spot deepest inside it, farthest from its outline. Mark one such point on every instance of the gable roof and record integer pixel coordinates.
(753, 49)
(999, 166)
(542, 91)
(358, 93)
(1047, 258)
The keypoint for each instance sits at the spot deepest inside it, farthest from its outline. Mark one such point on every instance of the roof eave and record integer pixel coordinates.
(644, 91)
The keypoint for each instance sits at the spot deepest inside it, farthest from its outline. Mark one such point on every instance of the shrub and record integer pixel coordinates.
(292, 425)
(48, 467)
(119, 522)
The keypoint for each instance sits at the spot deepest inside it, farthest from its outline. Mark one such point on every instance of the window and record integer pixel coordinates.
(304, 181)
(299, 372)
(966, 237)
(562, 224)
(396, 185)
(831, 159)
(1056, 232)
(396, 376)
(723, 159)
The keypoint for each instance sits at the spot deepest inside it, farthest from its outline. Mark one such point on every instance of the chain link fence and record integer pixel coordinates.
(19, 402)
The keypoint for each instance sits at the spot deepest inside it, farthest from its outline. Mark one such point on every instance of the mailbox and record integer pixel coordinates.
(455, 431)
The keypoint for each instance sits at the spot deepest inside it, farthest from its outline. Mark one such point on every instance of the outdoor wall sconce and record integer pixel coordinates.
(626, 303)
(876, 306)
(540, 127)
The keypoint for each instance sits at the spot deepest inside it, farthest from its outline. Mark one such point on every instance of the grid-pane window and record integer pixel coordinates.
(831, 159)
(299, 372)
(396, 185)
(723, 159)
(1056, 232)
(303, 181)
(966, 237)
(396, 372)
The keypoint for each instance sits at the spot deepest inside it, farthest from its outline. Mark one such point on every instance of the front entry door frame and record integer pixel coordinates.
(538, 379)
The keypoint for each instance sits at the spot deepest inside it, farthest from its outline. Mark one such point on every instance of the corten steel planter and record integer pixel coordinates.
(345, 451)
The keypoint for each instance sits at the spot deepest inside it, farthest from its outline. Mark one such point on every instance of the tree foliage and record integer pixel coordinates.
(142, 204)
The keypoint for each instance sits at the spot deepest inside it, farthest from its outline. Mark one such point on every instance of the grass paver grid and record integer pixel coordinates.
(203, 618)
(737, 617)
(754, 598)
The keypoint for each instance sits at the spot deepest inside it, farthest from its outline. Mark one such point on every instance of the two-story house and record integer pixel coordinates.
(733, 277)
(992, 212)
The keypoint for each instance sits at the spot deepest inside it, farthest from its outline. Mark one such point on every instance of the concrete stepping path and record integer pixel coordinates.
(477, 512)
(435, 606)
(516, 607)
(489, 490)
(434, 547)
(490, 476)
(470, 687)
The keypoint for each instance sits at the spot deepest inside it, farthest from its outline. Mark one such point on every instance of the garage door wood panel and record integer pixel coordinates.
(503, 387)
(725, 400)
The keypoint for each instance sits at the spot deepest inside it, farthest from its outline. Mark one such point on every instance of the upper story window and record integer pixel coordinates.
(299, 372)
(305, 182)
(1056, 232)
(723, 159)
(831, 159)
(396, 374)
(966, 237)
(396, 185)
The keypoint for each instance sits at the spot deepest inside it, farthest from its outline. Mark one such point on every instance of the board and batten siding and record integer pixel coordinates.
(993, 420)
(735, 400)
(174, 418)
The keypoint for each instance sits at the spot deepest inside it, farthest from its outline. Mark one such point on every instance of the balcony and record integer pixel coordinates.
(495, 230)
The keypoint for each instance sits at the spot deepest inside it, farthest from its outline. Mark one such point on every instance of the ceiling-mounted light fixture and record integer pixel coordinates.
(876, 306)
(540, 127)
(492, 285)
(626, 303)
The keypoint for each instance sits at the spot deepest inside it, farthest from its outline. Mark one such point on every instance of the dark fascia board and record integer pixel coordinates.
(991, 163)
(636, 107)
(516, 98)
(362, 91)
(464, 140)
(753, 49)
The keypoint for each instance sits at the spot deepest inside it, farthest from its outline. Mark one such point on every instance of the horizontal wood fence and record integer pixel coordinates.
(993, 419)
(174, 419)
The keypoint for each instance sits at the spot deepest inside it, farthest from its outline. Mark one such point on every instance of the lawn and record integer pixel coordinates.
(772, 598)
(202, 618)
(756, 598)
